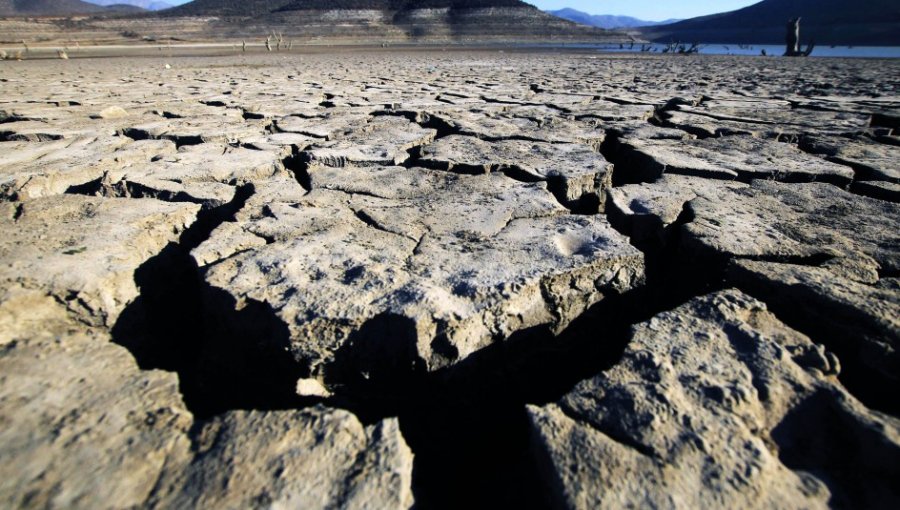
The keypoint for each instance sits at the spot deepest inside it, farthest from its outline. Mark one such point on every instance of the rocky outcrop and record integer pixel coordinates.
(716, 403)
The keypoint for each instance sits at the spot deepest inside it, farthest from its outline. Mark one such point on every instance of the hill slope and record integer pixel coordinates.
(47, 7)
(228, 7)
(864, 22)
(604, 20)
(260, 7)
(391, 20)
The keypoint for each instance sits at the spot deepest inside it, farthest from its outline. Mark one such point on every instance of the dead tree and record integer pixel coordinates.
(792, 46)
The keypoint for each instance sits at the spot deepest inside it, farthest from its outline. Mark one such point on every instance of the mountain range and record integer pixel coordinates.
(836, 22)
(47, 7)
(606, 21)
(150, 5)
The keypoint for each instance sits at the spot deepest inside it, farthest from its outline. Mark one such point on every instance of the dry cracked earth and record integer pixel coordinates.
(449, 279)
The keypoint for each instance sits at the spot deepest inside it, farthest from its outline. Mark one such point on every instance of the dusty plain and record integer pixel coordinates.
(448, 278)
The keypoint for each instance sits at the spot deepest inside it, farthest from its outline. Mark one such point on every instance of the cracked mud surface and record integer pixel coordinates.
(446, 279)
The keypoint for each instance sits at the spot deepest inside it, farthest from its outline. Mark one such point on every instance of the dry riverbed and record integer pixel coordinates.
(374, 279)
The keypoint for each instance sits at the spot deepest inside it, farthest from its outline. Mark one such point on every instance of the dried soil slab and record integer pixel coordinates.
(22, 152)
(172, 108)
(196, 130)
(76, 165)
(788, 120)
(284, 144)
(391, 182)
(849, 243)
(882, 109)
(775, 221)
(384, 140)
(736, 157)
(552, 129)
(608, 111)
(316, 458)
(329, 126)
(83, 426)
(266, 107)
(708, 127)
(872, 161)
(860, 319)
(716, 403)
(205, 174)
(40, 131)
(229, 238)
(577, 175)
(39, 111)
(339, 268)
(645, 211)
(84, 251)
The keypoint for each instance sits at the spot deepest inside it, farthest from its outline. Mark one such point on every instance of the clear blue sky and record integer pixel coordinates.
(652, 10)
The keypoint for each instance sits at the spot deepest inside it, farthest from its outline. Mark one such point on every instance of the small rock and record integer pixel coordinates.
(311, 388)
(113, 112)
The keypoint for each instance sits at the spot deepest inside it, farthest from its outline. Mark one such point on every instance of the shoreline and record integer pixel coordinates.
(222, 49)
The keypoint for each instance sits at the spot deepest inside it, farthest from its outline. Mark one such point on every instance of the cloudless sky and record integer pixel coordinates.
(651, 10)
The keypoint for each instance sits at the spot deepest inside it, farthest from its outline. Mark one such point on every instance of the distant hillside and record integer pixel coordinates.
(369, 22)
(261, 7)
(390, 21)
(605, 20)
(150, 5)
(863, 22)
(47, 7)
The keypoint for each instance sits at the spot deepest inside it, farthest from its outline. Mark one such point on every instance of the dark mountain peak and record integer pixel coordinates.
(874, 22)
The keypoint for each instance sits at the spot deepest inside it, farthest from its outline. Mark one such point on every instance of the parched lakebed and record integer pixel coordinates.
(464, 278)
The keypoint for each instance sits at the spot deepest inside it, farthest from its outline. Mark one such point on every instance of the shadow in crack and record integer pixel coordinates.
(466, 423)
(379, 360)
(851, 456)
(237, 359)
(230, 359)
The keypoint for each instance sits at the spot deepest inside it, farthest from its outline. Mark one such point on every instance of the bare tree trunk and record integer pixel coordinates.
(793, 38)
(792, 48)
